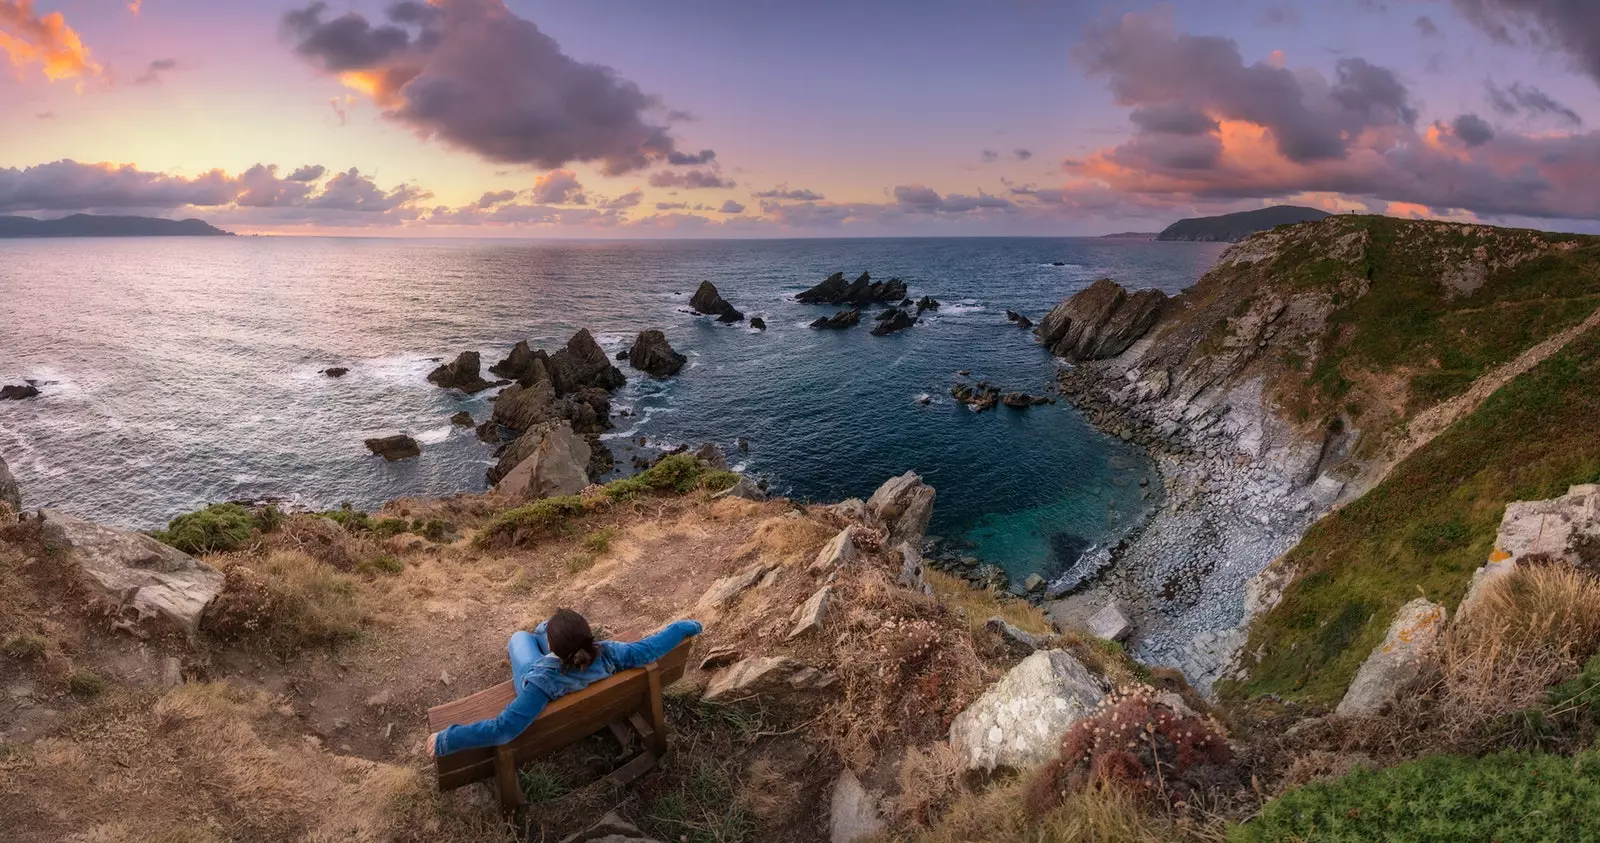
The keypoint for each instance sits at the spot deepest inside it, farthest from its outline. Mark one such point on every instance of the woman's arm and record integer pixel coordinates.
(647, 650)
(498, 730)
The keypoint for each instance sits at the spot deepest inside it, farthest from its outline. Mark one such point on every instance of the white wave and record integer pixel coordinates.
(436, 435)
(1063, 265)
(962, 307)
(922, 398)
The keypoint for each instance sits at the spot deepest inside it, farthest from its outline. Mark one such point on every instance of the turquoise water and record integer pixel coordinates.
(183, 372)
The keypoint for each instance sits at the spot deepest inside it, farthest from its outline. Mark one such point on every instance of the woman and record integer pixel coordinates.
(559, 657)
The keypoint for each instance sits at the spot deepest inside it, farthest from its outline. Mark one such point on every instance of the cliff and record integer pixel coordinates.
(88, 225)
(1231, 228)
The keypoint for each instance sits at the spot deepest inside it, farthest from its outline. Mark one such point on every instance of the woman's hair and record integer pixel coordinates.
(571, 640)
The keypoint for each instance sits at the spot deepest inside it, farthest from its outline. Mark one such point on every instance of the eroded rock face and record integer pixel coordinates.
(810, 615)
(10, 492)
(583, 363)
(652, 354)
(154, 587)
(461, 373)
(1020, 721)
(708, 301)
(774, 678)
(1396, 662)
(517, 363)
(842, 319)
(1100, 322)
(892, 320)
(904, 505)
(556, 462)
(393, 448)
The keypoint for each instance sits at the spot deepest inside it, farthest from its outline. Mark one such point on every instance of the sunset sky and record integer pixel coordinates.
(746, 118)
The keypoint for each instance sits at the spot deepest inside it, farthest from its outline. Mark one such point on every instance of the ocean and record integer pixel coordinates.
(181, 372)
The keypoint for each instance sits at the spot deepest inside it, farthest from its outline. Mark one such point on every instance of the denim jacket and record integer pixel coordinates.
(545, 680)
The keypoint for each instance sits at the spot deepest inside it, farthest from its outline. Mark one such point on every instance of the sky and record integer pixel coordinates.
(772, 118)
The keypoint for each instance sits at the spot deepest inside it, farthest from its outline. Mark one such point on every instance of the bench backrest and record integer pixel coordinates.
(566, 720)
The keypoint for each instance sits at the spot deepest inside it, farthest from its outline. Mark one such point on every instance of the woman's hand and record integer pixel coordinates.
(433, 744)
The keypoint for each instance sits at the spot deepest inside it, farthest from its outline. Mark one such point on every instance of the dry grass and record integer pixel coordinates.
(1554, 607)
(287, 601)
(979, 605)
(1102, 815)
(783, 539)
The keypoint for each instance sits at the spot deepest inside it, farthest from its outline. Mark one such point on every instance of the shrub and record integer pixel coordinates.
(521, 524)
(599, 541)
(25, 646)
(1131, 741)
(286, 601)
(717, 481)
(385, 528)
(350, 518)
(87, 683)
(1506, 797)
(579, 562)
(432, 529)
(221, 528)
(383, 563)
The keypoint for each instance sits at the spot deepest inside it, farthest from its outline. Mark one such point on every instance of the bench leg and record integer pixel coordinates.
(658, 714)
(505, 774)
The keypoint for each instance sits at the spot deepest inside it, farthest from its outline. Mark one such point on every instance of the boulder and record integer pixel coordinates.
(838, 552)
(517, 363)
(1110, 623)
(911, 565)
(1100, 322)
(808, 617)
(154, 587)
(1397, 662)
(926, 303)
(746, 488)
(555, 462)
(758, 323)
(708, 301)
(1033, 583)
(524, 407)
(10, 492)
(979, 397)
(583, 363)
(842, 319)
(852, 811)
(903, 504)
(652, 354)
(774, 678)
(18, 392)
(893, 320)
(488, 432)
(463, 419)
(1016, 639)
(723, 591)
(335, 371)
(611, 828)
(397, 447)
(460, 373)
(1565, 529)
(1020, 721)
(1019, 400)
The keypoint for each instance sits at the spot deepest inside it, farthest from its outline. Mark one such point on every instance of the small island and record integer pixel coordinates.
(90, 225)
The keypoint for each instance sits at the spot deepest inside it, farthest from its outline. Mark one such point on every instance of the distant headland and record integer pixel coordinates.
(89, 225)
(1231, 228)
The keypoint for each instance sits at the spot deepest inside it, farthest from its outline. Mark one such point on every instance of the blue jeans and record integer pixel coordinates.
(525, 649)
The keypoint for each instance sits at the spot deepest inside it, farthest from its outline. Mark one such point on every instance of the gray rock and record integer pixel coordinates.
(10, 492)
(556, 463)
(809, 615)
(463, 419)
(171, 672)
(745, 488)
(461, 373)
(153, 586)
(851, 509)
(652, 354)
(1110, 623)
(612, 828)
(1033, 583)
(1396, 662)
(911, 566)
(1017, 639)
(775, 678)
(394, 448)
(1020, 721)
(712, 456)
(838, 552)
(904, 505)
(852, 811)
(583, 364)
(708, 301)
(1100, 322)
(1553, 529)
(723, 591)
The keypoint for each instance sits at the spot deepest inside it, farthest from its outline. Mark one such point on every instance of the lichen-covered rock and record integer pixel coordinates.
(461, 373)
(1020, 721)
(1100, 322)
(724, 590)
(852, 811)
(1565, 529)
(903, 504)
(838, 552)
(776, 679)
(555, 462)
(809, 616)
(10, 492)
(154, 587)
(653, 355)
(397, 447)
(1396, 662)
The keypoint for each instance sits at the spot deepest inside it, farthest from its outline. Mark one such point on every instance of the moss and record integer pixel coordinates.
(1427, 527)
(221, 528)
(1508, 797)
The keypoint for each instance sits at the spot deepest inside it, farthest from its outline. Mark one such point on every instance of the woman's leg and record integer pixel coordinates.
(524, 650)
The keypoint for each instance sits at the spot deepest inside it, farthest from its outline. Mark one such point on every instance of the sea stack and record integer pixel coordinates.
(708, 301)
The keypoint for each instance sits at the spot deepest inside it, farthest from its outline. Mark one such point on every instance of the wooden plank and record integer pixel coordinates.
(638, 766)
(658, 714)
(511, 797)
(564, 721)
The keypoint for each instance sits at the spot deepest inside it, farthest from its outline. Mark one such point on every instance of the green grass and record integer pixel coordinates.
(543, 781)
(1507, 798)
(25, 647)
(381, 564)
(579, 562)
(1427, 527)
(87, 683)
(599, 541)
(220, 528)
(703, 807)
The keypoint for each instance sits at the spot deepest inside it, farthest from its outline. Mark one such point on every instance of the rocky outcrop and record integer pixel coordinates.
(1397, 662)
(892, 320)
(18, 392)
(10, 492)
(1014, 638)
(758, 323)
(335, 371)
(1100, 322)
(837, 553)
(912, 566)
(574, 385)
(1018, 319)
(903, 505)
(926, 303)
(810, 615)
(652, 354)
(154, 587)
(582, 363)
(852, 811)
(517, 363)
(1564, 529)
(462, 419)
(1022, 400)
(776, 679)
(708, 301)
(842, 319)
(978, 397)
(1020, 721)
(727, 589)
(461, 373)
(835, 290)
(555, 462)
(393, 448)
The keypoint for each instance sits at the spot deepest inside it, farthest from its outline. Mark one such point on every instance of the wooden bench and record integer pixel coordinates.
(628, 698)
